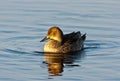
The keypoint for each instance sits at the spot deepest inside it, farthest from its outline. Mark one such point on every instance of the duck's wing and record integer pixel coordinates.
(70, 35)
(73, 37)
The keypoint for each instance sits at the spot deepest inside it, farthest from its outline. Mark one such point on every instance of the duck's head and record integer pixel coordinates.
(54, 33)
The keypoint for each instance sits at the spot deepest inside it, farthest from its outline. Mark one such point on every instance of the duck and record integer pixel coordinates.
(58, 42)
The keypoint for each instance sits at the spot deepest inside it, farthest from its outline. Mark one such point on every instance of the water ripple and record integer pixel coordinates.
(101, 44)
(14, 51)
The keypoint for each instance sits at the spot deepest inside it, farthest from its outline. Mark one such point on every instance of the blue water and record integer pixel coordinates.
(23, 23)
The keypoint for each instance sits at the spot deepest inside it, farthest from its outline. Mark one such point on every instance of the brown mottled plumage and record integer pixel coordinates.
(63, 43)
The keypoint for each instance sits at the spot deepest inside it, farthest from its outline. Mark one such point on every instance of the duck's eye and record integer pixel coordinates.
(54, 33)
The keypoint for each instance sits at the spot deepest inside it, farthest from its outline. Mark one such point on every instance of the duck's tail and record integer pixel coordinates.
(83, 37)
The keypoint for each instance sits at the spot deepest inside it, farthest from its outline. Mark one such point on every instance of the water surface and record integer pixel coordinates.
(24, 23)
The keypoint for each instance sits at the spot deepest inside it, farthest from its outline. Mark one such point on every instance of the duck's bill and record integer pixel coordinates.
(44, 39)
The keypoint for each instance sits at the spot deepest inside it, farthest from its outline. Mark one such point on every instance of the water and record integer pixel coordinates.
(23, 23)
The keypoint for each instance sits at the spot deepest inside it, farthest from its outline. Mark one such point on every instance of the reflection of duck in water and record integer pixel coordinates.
(55, 68)
(60, 43)
(56, 62)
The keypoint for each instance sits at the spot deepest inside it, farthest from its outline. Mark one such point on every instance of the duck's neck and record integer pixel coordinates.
(60, 40)
(59, 37)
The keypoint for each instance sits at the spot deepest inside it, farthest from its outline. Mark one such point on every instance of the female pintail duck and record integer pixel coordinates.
(63, 43)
